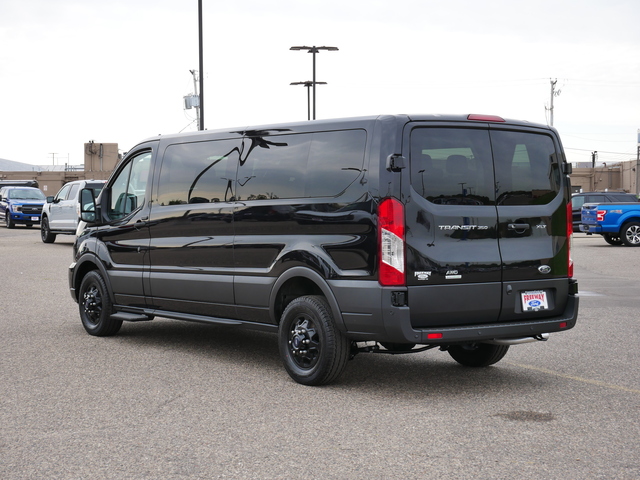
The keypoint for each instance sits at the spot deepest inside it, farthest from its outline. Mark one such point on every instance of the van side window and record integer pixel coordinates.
(200, 172)
(128, 189)
(275, 168)
(335, 162)
(527, 170)
(452, 166)
(321, 164)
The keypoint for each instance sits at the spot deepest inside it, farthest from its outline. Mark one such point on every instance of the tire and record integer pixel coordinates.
(313, 350)
(630, 234)
(478, 355)
(7, 220)
(612, 239)
(45, 231)
(95, 306)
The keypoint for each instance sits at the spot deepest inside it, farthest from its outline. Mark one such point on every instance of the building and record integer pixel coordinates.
(100, 159)
(621, 176)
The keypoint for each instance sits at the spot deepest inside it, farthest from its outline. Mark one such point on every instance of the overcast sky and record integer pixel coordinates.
(116, 71)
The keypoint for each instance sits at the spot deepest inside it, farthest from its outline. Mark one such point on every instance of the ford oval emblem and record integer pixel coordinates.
(544, 269)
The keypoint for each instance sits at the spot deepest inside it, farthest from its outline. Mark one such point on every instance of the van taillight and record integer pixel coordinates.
(391, 243)
(600, 215)
(569, 239)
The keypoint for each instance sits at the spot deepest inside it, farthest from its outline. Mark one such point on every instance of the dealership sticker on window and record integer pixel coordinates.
(534, 300)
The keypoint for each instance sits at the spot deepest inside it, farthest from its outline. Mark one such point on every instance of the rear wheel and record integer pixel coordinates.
(95, 306)
(478, 355)
(313, 350)
(612, 239)
(45, 231)
(630, 234)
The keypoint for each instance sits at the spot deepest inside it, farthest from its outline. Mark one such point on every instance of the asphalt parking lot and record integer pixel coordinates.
(173, 400)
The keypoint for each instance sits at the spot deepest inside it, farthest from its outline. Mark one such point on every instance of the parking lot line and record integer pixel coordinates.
(577, 379)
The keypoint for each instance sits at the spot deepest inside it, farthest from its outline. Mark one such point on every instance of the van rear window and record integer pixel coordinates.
(462, 166)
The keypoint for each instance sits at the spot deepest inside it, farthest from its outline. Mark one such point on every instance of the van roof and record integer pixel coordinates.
(354, 122)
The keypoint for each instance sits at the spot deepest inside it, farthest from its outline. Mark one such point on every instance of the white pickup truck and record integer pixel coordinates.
(61, 213)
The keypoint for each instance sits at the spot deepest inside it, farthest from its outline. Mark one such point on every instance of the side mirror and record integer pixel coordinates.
(87, 205)
(50, 199)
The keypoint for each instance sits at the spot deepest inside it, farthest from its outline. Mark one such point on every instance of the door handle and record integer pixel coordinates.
(142, 222)
(519, 227)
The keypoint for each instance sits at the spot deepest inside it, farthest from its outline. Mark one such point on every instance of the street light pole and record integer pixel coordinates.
(308, 84)
(200, 63)
(313, 50)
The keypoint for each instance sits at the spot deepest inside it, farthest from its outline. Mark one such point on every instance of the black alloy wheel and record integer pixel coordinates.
(95, 306)
(45, 231)
(313, 350)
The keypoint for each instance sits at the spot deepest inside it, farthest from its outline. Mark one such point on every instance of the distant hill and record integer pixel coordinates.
(11, 166)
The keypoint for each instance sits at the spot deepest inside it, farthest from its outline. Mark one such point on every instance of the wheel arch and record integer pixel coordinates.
(86, 264)
(628, 218)
(299, 281)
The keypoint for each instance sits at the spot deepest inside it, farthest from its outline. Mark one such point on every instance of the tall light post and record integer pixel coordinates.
(313, 50)
(200, 63)
(308, 84)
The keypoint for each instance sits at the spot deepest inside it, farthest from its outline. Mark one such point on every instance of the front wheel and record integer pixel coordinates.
(631, 234)
(95, 306)
(45, 231)
(7, 220)
(478, 355)
(313, 350)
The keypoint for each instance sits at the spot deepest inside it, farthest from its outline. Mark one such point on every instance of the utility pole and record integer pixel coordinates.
(638, 166)
(553, 94)
(594, 157)
(54, 157)
(195, 92)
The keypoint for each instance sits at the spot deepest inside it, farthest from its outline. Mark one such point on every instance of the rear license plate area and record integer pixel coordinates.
(534, 300)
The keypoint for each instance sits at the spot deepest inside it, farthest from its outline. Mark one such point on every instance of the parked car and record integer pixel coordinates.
(374, 234)
(618, 223)
(61, 213)
(579, 199)
(21, 206)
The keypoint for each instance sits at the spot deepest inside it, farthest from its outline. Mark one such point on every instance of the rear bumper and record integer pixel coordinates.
(508, 330)
(590, 228)
(391, 323)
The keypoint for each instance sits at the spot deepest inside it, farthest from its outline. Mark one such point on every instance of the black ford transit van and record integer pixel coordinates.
(388, 234)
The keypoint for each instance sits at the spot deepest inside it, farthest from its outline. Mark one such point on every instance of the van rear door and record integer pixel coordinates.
(453, 269)
(486, 231)
(532, 213)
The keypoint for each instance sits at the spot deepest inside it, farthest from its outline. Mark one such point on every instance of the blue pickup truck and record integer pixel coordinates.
(618, 223)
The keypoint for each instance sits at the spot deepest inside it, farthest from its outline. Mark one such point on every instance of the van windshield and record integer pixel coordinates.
(464, 166)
